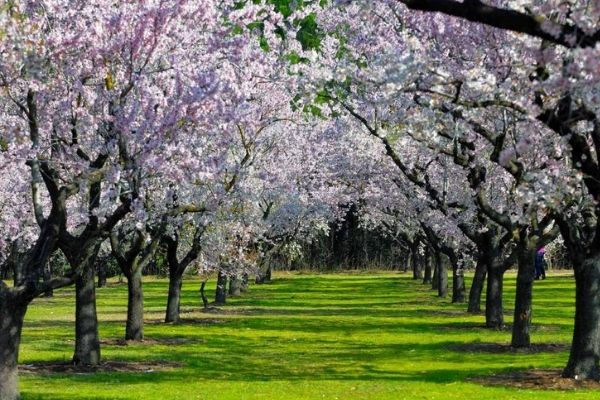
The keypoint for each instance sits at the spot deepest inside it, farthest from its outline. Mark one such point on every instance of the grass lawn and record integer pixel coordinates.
(303, 336)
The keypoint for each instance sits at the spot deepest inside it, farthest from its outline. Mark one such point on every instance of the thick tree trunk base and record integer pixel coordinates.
(87, 341)
(477, 288)
(245, 285)
(12, 313)
(523, 300)
(435, 282)
(235, 286)
(221, 291)
(173, 300)
(134, 330)
(427, 270)
(459, 291)
(585, 348)
(494, 308)
(443, 276)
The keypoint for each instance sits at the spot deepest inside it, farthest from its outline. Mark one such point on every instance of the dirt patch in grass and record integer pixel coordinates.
(152, 341)
(445, 312)
(505, 327)
(536, 379)
(108, 366)
(202, 321)
(212, 310)
(246, 311)
(461, 326)
(497, 348)
(191, 320)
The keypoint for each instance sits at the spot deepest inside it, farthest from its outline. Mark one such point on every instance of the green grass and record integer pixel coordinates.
(343, 336)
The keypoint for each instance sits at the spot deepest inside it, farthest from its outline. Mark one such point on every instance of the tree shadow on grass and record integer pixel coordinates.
(303, 329)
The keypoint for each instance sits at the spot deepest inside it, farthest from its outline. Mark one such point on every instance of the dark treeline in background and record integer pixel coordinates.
(347, 245)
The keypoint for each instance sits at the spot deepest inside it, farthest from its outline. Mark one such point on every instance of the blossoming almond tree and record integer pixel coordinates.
(94, 101)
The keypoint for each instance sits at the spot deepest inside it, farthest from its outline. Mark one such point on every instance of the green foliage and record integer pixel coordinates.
(3, 144)
(294, 58)
(345, 336)
(264, 44)
(285, 7)
(309, 35)
(313, 110)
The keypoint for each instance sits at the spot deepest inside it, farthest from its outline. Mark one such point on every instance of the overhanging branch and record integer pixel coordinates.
(473, 10)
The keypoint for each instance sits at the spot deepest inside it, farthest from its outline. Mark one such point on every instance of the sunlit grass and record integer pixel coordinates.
(304, 336)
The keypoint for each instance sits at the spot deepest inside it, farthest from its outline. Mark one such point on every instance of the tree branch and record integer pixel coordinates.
(570, 35)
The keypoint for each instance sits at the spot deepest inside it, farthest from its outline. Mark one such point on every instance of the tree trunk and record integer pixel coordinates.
(261, 276)
(235, 286)
(87, 341)
(523, 299)
(203, 295)
(221, 291)
(47, 277)
(585, 349)
(442, 275)
(12, 313)
(459, 291)
(416, 265)
(494, 309)
(101, 275)
(268, 273)
(435, 280)
(427, 272)
(477, 287)
(244, 286)
(134, 330)
(175, 282)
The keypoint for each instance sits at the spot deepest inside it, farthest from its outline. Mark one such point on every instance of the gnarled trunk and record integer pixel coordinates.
(477, 287)
(173, 300)
(87, 341)
(12, 312)
(494, 309)
(221, 291)
(134, 330)
(585, 348)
